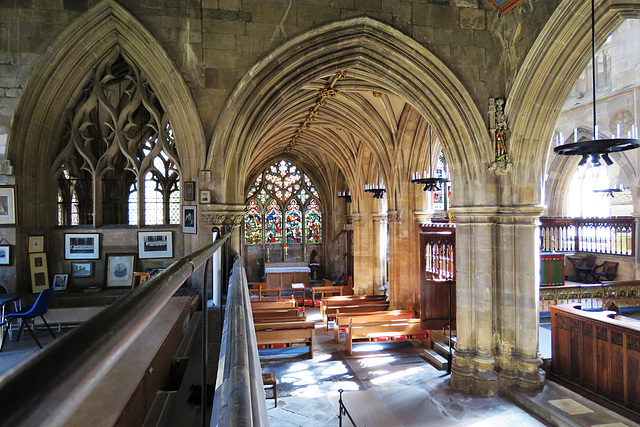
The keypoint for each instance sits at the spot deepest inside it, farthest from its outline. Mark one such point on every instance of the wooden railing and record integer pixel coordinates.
(439, 243)
(624, 294)
(610, 236)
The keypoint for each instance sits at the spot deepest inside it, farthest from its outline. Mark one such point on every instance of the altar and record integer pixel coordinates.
(283, 274)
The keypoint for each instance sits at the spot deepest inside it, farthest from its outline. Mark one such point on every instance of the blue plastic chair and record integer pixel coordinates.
(39, 308)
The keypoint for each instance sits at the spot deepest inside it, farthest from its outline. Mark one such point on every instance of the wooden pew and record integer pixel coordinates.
(361, 307)
(323, 291)
(347, 300)
(285, 334)
(374, 332)
(302, 318)
(273, 313)
(263, 305)
(342, 319)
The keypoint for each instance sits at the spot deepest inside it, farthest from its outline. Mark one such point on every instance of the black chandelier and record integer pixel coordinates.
(377, 188)
(346, 195)
(597, 148)
(430, 182)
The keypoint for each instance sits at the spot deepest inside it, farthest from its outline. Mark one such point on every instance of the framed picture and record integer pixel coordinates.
(7, 205)
(81, 246)
(120, 270)
(190, 191)
(60, 282)
(155, 244)
(189, 214)
(81, 270)
(39, 272)
(36, 244)
(205, 197)
(5, 254)
(154, 271)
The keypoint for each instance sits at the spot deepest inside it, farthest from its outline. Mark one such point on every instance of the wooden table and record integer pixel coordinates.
(283, 274)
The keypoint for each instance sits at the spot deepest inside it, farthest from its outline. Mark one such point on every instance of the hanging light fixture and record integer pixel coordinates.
(598, 148)
(430, 182)
(346, 195)
(377, 188)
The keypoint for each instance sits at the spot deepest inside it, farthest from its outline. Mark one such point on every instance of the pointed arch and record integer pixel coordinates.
(558, 56)
(40, 114)
(371, 51)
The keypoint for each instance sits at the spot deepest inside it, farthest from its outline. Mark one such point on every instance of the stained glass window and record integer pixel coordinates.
(293, 222)
(442, 197)
(273, 223)
(282, 187)
(313, 222)
(252, 224)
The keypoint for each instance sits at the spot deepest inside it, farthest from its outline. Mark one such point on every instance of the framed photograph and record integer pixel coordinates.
(120, 270)
(189, 224)
(81, 270)
(7, 205)
(155, 244)
(60, 282)
(190, 191)
(36, 244)
(154, 271)
(5, 254)
(205, 197)
(39, 272)
(82, 246)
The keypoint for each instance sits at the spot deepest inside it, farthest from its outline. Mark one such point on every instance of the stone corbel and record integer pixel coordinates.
(423, 217)
(229, 215)
(394, 216)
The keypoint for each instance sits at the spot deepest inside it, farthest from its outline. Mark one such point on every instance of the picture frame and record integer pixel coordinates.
(81, 270)
(82, 246)
(36, 244)
(190, 191)
(153, 271)
(119, 270)
(205, 197)
(189, 219)
(155, 244)
(7, 205)
(5, 254)
(60, 282)
(39, 271)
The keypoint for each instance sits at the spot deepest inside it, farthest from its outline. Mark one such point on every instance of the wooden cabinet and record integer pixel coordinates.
(551, 269)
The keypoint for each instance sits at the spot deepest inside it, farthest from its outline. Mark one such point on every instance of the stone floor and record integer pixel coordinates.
(390, 384)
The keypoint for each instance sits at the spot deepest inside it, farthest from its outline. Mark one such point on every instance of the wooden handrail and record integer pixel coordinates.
(48, 388)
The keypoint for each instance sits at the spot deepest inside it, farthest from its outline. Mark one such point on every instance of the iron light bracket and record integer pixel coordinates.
(430, 184)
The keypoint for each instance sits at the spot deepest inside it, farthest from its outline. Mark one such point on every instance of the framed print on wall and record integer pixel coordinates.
(60, 282)
(120, 270)
(81, 270)
(39, 271)
(205, 197)
(81, 245)
(190, 191)
(7, 205)
(36, 244)
(189, 219)
(155, 244)
(5, 254)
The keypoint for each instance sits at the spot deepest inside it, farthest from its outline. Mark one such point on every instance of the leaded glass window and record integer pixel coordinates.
(286, 199)
(313, 222)
(442, 197)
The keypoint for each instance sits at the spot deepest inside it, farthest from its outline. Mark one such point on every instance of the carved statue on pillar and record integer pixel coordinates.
(499, 131)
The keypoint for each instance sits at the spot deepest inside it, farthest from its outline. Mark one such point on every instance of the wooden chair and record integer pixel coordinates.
(583, 272)
(139, 278)
(269, 381)
(607, 271)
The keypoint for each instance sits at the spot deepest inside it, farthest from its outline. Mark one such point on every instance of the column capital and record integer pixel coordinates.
(354, 217)
(422, 217)
(394, 216)
(379, 217)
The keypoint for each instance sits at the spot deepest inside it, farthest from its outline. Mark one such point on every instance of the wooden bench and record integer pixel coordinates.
(302, 318)
(409, 329)
(342, 319)
(323, 291)
(285, 334)
(360, 307)
(273, 313)
(264, 293)
(347, 300)
(263, 305)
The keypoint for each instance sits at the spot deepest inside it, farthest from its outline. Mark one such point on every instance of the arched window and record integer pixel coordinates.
(118, 154)
(283, 188)
(442, 197)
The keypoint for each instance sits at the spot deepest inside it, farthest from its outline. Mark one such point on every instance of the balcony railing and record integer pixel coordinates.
(624, 294)
(609, 236)
(439, 242)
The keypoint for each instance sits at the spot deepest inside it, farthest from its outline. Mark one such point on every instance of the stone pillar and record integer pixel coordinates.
(517, 296)
(363, 254)
(474, 362)
(380, 237)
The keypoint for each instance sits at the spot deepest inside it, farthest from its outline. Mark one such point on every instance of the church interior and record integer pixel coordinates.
(292, 212)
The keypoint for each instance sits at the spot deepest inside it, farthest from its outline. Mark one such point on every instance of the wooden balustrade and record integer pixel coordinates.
(624, 293)
(439, 244)
(611, 236)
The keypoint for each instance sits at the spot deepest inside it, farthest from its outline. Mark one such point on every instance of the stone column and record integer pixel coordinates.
(474, 362)
(380, 237)
(517, 296)
(363, 247)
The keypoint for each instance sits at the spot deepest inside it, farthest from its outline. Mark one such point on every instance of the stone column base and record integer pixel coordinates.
(522, 372)
(473, 375)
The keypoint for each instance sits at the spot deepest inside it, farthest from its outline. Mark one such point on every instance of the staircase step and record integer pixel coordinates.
(436, 360)
(442, 349)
